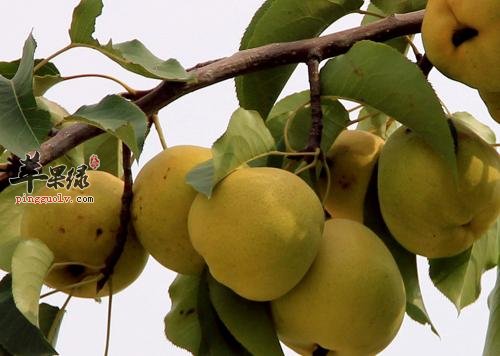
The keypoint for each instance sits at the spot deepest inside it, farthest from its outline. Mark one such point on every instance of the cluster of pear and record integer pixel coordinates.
(330, 283)
(263, 234)
(462, 39)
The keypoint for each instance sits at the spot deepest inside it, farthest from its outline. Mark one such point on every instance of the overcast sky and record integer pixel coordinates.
(196, 31)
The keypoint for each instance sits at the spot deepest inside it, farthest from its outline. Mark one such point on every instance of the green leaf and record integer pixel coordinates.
(131, 55)
(335, 119)
(83, 23)
(459, 277)
(135, 57)
(399, 43)
(406, 261)
(492, 343)
(23, 125)
(9, 69)
(289, 103)
(245, 139)
(379, 76)
(10, 223)
(109, 150)
(42, 83)
(45, 77)
(249, 322)
(17, 334)
(399, 6)
(283, 21)
(119, 117)
(50, 319)
(216, 340)
(30, 263)
(482, 130)
(377, 123)
(182, 327)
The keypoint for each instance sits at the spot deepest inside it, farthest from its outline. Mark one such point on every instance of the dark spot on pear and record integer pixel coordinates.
(62, 230)
(75, 270)
(190, 311)
(98, 232)
(463, 35)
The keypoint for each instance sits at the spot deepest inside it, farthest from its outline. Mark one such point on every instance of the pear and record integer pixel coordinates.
(259, 232)
(492, 101)
(161, 204)
(352, 300)
(424, 209)
(351, 160)
(462, 39)
(82, 235)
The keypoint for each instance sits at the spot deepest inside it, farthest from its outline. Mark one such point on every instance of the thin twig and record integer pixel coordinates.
(131, 91)
(159, 130)
(108, 322)
(121, 235)
(52, 56)
(370, 13)
(425, 65)
(414, 48)
(74, 285)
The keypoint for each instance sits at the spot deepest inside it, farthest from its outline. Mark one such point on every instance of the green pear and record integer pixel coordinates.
(259, 232)
(161, 204)
(352, 300)
(462, 39)
(351, 160)
(422, 206)
(82, 235)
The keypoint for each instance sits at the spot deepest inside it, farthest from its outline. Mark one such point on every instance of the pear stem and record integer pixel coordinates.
(108, 322)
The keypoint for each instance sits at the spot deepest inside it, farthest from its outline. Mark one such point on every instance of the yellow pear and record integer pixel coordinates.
(82, 235)
(351, 301)
(462, 39)
(160, 207)
(259, 232)
(351, 160)
(492, 101)
(422, 206)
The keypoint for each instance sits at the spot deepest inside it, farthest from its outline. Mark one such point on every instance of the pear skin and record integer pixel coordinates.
(422, 206)
(161, 204)
(351, 160)
(492, 101)
(84, 235)
(352, 300)
(259, 232)
(462, 39)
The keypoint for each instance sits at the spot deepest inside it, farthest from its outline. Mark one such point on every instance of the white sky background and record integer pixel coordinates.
(192, 32)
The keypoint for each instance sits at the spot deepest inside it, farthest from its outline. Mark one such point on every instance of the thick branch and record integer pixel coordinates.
(244, 62)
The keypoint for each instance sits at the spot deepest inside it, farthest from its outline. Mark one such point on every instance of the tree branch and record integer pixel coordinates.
(121, 235)
(244, 62)
(316, 111)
